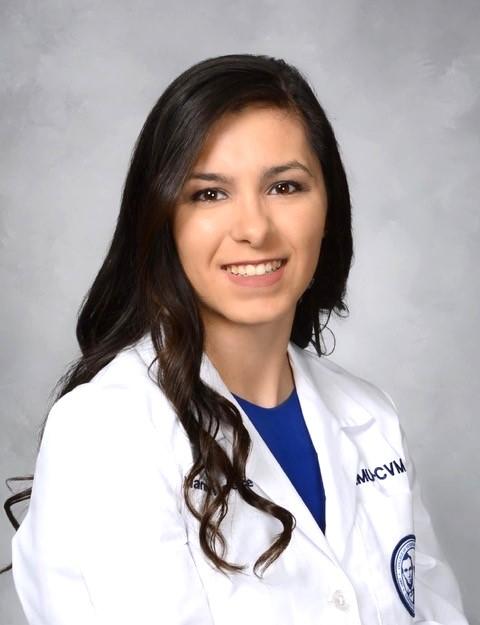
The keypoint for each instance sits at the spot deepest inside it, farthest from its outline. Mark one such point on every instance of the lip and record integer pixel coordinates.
(254, 262)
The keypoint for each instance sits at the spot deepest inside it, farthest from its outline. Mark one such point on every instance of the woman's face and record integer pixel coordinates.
(256, 193)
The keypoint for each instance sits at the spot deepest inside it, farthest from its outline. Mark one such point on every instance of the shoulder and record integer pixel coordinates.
(352, 398)
(109, 438)
(121, 407)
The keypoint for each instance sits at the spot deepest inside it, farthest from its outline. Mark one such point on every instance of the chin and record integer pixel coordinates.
(258, 316)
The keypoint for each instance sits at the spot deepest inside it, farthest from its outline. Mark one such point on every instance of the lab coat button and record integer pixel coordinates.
(339, 601)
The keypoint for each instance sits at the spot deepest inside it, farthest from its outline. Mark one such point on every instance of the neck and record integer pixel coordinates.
(252, 360)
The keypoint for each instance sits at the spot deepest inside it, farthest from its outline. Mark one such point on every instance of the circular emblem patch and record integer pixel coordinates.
(403, 571)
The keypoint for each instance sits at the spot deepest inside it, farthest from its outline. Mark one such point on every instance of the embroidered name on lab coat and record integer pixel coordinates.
(381, 473)
(202, 485)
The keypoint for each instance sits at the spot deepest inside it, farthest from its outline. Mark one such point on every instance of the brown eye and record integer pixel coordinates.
(206, 195)
(284, 186)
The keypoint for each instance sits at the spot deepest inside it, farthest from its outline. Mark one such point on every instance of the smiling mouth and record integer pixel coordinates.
(255, 269)
(255, 262)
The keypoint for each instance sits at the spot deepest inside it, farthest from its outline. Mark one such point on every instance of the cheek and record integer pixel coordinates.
(309, 232)
(196, 240)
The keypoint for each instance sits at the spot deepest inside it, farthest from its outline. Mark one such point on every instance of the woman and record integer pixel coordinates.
(199, 465)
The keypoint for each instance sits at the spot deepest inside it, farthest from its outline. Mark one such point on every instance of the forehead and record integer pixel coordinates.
(255, 133)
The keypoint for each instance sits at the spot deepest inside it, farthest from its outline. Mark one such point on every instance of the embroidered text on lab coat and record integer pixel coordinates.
(202, 485)
(382, 472)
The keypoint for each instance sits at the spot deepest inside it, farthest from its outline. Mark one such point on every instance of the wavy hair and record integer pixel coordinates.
(141, 286)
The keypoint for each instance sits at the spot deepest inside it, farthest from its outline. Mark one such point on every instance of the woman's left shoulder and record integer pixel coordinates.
(350, 394)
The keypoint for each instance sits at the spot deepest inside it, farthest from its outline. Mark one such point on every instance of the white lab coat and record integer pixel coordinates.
(107, 539)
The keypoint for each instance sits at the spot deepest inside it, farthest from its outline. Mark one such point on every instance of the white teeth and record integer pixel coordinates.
(254, 270)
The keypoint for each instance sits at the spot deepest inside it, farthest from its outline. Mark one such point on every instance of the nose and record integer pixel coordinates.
(251, 221)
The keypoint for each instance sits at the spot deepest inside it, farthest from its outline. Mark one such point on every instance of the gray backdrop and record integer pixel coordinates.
(400, 82)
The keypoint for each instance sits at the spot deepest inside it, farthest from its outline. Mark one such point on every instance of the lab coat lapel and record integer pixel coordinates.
(330, 414)
(262, 468)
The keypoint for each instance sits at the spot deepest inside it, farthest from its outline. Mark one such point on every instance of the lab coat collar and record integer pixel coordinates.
(343, 403)
(329, 412)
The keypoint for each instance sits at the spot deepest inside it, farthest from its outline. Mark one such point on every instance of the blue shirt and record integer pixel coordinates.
(284, 430)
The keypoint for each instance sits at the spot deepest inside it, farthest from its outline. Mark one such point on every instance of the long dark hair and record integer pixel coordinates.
(141, 287)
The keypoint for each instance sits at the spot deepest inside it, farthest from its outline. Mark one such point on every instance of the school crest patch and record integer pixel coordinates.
(403, 571)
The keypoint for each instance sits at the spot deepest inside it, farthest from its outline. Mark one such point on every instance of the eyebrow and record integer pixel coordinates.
(266, 174)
